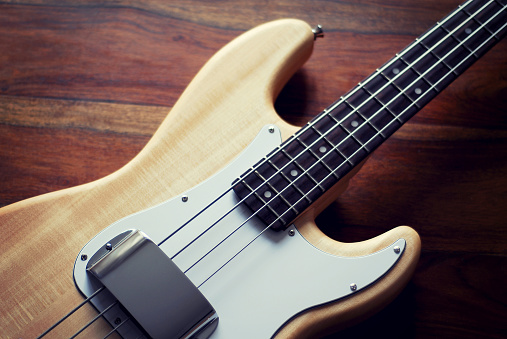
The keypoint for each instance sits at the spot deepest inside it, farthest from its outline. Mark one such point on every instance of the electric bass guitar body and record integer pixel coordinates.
(292, 283)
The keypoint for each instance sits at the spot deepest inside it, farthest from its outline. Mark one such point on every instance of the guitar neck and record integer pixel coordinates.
(304, 167)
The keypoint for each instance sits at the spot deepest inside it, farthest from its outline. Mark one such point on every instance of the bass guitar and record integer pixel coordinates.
(210, 231)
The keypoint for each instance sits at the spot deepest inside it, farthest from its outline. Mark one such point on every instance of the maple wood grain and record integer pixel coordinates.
(83, 86)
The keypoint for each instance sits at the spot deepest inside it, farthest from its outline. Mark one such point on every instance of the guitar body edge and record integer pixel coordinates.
(346, 312)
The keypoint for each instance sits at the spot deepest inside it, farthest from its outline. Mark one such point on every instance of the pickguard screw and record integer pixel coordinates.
(271, 129)
(292, 232)
(184, 198)
(117, 321)
(84, 257)
(353, 287)
(109, 247)
(396, 249)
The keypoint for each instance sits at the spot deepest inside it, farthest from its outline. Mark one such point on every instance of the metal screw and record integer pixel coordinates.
(184, 198)
(117, 321)
(109, 247)
(292, 232)
(353, 287)
(84, 257)
(318, 32)
(271, 129)
(396, 249)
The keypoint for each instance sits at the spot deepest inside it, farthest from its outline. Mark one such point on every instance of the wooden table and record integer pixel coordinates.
(84, 85)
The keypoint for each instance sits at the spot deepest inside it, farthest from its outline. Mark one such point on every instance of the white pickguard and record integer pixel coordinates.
(271, 280)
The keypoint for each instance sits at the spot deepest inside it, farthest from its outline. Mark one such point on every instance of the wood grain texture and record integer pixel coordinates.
(83, 86)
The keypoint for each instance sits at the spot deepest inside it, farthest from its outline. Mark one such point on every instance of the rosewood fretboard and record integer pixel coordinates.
(282, 185)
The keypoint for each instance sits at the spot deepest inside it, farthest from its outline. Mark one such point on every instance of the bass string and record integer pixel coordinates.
(94, 319)
(357, 128)
(115, 329)
(427, 91)
(97, 317)
(52, 327)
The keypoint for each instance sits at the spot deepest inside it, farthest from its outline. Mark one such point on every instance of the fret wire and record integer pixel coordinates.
(291, 182)
(308, 173)
(479, 23)
(401, 72)
(319, 159)
(254, 191)
(487, 29)
(385, 106)
(500, 4)
(468, 13)
(304, 171)
(403, 92)
(443, 62)
(292, 160)
(323, 137)
(458, 40)
(362, 116)
(462, 7)
(451, 35)
(301, 168)
(354, 110)
(336, 149)
(329, 143)
(427, 91)
(419, 73)
(277, 193)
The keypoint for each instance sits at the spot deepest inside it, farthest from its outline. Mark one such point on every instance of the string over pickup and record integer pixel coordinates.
(158, 295)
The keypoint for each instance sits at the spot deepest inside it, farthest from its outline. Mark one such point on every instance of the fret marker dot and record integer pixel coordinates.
(293, 173)
(322, 149)
(396, 70)
(468, 30)
(354, 123)
(267, 194)
(418, 91)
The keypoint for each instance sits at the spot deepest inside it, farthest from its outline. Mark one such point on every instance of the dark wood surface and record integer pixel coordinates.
(84, 84)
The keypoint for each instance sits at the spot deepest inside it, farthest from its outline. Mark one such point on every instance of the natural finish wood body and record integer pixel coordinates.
(83, 86)
(220, 112)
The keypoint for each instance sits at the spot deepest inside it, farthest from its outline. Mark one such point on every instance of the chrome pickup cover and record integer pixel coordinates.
(152, 288)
